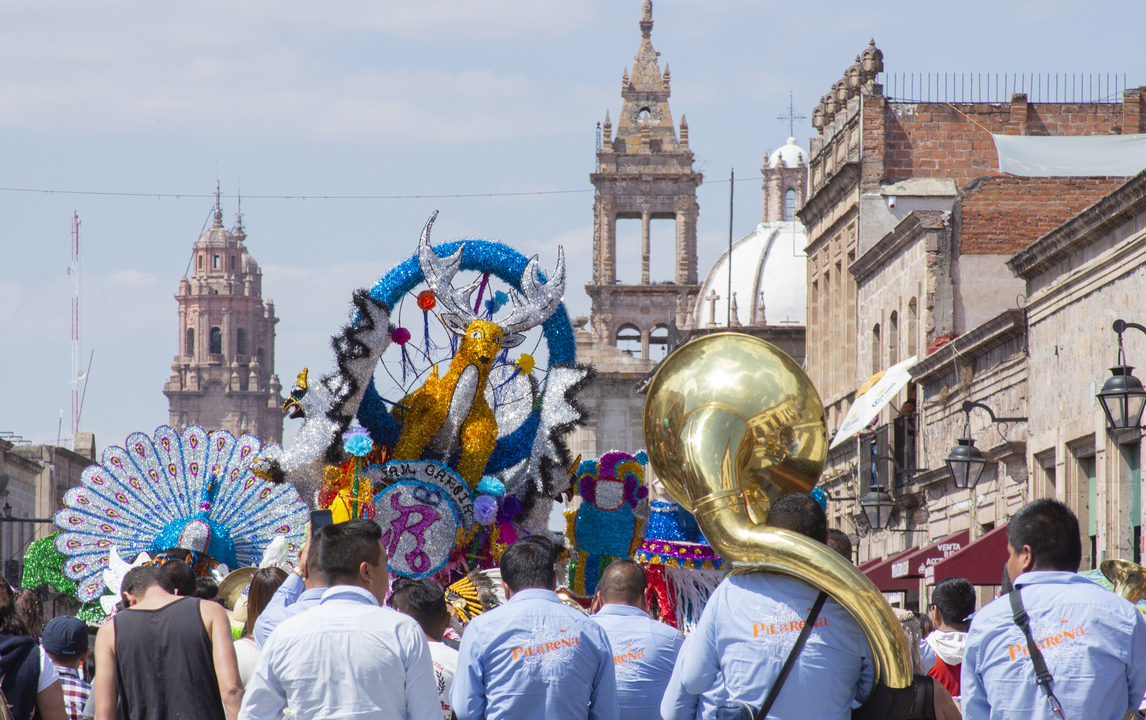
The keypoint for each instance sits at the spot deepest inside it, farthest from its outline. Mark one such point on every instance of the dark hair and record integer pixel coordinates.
(801, 514)
(955, 598)
(1050, 529)
(10, 621)
(345, 546)
(623, 581)
(926, 627)
(139, 580)
(181, 575)
(422, 600)
(206, 588)
(839, 541)
(263, 585)
(528, 563)
(542, 541)
(31, 611)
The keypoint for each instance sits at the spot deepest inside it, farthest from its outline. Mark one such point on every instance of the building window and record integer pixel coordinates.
(1131, 470)
(876, 349)
(789, 204)
(259, 355)
(912, 326)
(216, 263)
(658, 342)
(189, 342)
(184, 421)
(234, 262)
(216, 341)
(629, 340)
(893, 339)
(200, 262)
(241, 341)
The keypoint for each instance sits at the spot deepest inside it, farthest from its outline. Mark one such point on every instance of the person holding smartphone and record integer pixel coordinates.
(303, 587)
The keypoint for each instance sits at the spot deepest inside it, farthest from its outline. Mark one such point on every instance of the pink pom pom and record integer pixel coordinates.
(400, 335)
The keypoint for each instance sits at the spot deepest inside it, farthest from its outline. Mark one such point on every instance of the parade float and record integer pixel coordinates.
(437, 420)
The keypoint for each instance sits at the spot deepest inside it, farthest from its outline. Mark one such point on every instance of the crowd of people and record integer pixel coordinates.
(337, 638)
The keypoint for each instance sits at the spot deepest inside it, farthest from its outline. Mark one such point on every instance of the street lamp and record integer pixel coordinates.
(965, 464)
(877, 506)
(1122, 395)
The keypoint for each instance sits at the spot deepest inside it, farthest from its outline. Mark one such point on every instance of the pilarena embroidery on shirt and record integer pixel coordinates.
(777, 632)
(547, 652)
(624, 655)
(1061, 642)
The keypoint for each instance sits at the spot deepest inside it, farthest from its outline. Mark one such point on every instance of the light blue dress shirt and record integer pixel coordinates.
(644, 653)
(289, 600)
(743, 638)
(533, 657)
(345, 658)
(1093, 641)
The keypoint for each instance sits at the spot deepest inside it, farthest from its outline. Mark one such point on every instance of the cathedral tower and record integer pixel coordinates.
(643, 173)
(224, 374)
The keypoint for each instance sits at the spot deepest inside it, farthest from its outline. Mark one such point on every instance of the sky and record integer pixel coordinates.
(439, 97)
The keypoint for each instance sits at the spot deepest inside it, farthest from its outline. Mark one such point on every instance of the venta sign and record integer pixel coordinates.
(925, 563)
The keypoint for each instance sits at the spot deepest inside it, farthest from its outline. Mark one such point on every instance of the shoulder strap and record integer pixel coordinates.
(793, 655)
(1043, 676)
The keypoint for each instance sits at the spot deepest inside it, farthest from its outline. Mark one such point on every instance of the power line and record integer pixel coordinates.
(180, 196)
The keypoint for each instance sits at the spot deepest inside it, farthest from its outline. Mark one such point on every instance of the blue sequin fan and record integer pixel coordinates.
(192, 491)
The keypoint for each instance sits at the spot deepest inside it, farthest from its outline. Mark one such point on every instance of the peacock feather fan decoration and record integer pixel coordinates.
(191, 491)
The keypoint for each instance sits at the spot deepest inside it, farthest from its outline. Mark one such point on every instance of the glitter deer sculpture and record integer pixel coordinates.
(449, 413)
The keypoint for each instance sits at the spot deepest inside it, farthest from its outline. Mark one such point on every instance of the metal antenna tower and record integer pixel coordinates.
(74, 271)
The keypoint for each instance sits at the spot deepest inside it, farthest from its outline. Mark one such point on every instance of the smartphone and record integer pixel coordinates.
(320, 518)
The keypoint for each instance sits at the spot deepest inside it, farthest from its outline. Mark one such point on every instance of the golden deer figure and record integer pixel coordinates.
(450, 412)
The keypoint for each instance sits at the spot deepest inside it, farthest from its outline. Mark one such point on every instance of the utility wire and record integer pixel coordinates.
(180, 196)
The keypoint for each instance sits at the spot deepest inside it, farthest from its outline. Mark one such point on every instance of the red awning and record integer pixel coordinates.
(880, 574)
(915, 564)
(981, 561)
(869, 563)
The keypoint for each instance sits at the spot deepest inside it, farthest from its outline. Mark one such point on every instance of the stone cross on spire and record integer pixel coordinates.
(712, 297)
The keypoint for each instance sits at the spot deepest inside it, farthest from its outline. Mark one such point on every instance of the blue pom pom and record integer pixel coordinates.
(357, 442)
(491, 486)
(642, 457)
(820, 497)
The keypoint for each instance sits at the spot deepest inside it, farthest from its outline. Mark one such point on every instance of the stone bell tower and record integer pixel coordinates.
(224, 375)
(643, 173)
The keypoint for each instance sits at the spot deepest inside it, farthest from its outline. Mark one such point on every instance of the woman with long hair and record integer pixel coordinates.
(31, 682)
(262, 588)
(31, 611)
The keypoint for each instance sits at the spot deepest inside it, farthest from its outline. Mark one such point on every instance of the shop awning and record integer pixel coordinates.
(869, 563)
(880, 574)
(981, 561)
(916, 564)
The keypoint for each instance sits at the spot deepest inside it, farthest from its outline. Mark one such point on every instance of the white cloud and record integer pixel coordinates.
(133, 278)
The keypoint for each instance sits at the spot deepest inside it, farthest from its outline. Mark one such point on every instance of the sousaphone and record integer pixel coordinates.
(732, 423)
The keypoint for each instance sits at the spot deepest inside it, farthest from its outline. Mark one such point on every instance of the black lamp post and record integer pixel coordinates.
(1122, 395)
(965, 464)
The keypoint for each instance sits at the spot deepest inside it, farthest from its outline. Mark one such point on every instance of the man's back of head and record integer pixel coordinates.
(182, 577)
(424, 601)
(801, 514)
(623, 583)
(350, 553)
(955, 600)
(840, 542)
(139, 580)
(1050, 530)
(528, 563)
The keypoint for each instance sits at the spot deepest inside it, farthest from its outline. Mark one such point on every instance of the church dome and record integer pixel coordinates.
(791, 154)
(769, 279)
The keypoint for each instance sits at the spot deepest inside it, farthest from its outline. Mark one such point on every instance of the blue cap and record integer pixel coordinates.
(65, 636)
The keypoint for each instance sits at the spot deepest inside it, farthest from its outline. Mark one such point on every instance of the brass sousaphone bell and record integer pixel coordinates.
(731, 423)
(1129, 578)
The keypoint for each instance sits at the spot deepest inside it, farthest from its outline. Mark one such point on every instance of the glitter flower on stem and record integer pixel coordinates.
(357, 442)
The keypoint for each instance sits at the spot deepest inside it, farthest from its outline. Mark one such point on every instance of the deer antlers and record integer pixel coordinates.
(532, 305)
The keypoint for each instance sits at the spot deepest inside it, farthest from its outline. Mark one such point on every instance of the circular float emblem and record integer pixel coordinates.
(420, 511)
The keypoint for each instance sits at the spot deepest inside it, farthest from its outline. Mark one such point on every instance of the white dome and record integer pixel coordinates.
(791, 154)
(769, 261)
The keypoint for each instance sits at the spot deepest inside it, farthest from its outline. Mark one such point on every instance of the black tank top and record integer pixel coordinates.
(164, 666)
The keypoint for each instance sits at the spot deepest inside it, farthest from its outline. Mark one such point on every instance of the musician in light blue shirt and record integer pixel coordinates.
(748, 627)
(533, 657)
(644, 650)
(1093, 641)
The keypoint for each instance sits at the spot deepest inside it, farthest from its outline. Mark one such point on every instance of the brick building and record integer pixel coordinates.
(910, 225)
(224, 374)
